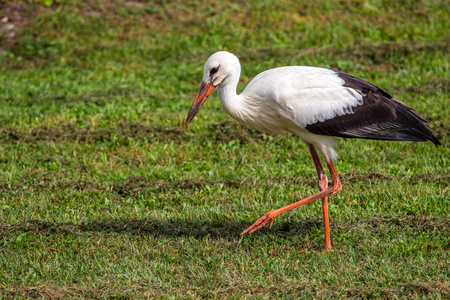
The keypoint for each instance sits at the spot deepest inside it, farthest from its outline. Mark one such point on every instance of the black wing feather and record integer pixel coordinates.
(380, 117)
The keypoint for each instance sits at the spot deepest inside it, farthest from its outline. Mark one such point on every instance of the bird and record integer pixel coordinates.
(316, 104)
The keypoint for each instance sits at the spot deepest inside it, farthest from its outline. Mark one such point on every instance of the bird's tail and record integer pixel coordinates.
(414, 127)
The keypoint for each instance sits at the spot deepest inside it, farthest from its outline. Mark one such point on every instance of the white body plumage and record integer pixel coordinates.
(287, 99)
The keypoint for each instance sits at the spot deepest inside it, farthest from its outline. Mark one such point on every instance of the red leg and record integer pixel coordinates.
(326, 223)
(335, 187)
(323, 184)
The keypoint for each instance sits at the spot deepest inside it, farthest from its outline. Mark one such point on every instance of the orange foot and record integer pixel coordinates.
(261, 222)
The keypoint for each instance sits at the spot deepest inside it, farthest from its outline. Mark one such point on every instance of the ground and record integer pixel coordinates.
(104, 194)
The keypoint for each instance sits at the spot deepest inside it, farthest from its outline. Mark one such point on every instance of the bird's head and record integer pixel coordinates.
(217, 69)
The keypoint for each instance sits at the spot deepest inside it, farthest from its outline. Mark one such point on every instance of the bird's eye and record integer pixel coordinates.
(214, 70)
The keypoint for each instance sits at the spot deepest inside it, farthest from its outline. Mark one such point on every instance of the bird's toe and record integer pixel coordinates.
(260, 223)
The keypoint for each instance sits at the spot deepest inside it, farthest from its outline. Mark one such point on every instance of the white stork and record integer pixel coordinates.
(317, 105)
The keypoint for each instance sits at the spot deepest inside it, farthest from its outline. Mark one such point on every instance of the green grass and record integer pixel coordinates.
(103, 194)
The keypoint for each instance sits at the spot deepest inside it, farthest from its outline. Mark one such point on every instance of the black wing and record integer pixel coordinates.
(380, 117)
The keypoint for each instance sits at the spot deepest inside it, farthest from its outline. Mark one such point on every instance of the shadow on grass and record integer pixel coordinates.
(159, 228)
(228, 230)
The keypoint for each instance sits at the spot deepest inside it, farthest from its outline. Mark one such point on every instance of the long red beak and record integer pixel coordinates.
(203, 93)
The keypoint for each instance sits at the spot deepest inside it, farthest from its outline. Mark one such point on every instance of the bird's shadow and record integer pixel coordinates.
(160, 228)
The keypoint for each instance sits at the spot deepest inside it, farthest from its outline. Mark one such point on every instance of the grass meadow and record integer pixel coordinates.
(104, 195)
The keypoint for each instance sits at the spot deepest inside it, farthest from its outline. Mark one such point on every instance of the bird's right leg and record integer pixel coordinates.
(323, 184)
(335, 187)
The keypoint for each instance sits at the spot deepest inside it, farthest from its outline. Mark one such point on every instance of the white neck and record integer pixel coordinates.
(231, 102)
